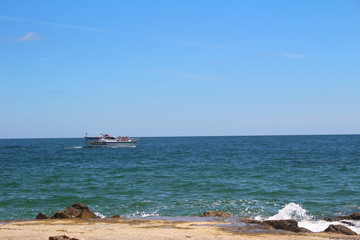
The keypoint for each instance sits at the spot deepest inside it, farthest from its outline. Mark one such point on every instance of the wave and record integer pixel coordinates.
(306, 220)
(99, 215)
(292, 211)
(144, 214)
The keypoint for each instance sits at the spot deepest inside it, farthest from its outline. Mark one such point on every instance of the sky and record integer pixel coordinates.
(179, 68)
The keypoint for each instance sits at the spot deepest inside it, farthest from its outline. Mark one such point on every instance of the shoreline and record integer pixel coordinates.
(79, 222)
(123, 228)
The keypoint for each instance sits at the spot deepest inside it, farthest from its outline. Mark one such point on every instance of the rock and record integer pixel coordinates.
(305, 230)
(252, 221)
(41, 216)
(340, 229)
(216, 214)
(354, 216)
(116, 216)
(332, 219)
(253, 224)
(62, 237)
(287, 225)
(77, 210)
(347, 223)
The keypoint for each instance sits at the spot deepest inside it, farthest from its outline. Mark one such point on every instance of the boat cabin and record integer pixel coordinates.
(109, 137)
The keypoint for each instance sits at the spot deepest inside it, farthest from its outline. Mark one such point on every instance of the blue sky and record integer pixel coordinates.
(179, 68)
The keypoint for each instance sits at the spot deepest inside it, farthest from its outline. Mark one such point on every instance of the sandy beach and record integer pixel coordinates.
(145, 229)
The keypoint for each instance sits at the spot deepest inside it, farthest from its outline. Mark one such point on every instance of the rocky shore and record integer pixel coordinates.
(79, 222)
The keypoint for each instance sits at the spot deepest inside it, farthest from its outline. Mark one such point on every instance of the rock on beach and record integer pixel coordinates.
(216, 214)
(287, 225)
(62, 237)
(340, 229)
(77, 210)
(41, 216)
(353, 216)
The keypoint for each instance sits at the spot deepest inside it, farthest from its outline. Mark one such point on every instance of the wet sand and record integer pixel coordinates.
(141, 229)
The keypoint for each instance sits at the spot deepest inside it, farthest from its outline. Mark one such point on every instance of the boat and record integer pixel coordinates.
(108, 141)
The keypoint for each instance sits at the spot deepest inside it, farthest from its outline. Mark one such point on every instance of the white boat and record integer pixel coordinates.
(108, 141)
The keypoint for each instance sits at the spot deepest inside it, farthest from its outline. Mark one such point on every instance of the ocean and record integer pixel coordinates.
(262, 177)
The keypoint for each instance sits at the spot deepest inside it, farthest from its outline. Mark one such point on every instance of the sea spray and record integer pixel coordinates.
(291, 211)
(305, 220)
(99, 215)
(321, 225)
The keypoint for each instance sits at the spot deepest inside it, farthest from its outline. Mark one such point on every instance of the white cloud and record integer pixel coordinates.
(30, 36)
(292, 55)
(53, 24)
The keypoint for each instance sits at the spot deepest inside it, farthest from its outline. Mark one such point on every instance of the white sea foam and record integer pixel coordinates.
(296, 212)
(321, 225)
(291, 211)
(99, 215)
(143, 214)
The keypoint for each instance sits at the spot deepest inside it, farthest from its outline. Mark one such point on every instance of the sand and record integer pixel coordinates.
(144, 229)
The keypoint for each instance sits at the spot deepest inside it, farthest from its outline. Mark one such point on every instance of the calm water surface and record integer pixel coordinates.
(182, 176)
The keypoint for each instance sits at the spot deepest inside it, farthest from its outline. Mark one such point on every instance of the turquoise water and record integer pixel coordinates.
(183, 176)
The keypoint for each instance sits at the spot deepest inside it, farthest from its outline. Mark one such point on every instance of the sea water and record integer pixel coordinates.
(262, 177)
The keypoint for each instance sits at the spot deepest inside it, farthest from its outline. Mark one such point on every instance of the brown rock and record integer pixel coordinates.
(41, 216)
(116, 216)
(216, 214)
(347, 223)
(304, 230)
(287, 225)
(332, 219)
(340, 229)
(354, 216)
(249, 220)
(77, 210)
(62, 237)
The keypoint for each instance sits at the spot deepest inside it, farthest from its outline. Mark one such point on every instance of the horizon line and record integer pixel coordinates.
(179, 136)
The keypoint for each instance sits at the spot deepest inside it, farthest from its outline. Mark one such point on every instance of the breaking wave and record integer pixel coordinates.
(306, 220)
(292, 211)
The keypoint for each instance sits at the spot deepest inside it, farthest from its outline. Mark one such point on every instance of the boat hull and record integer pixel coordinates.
(91, 143)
